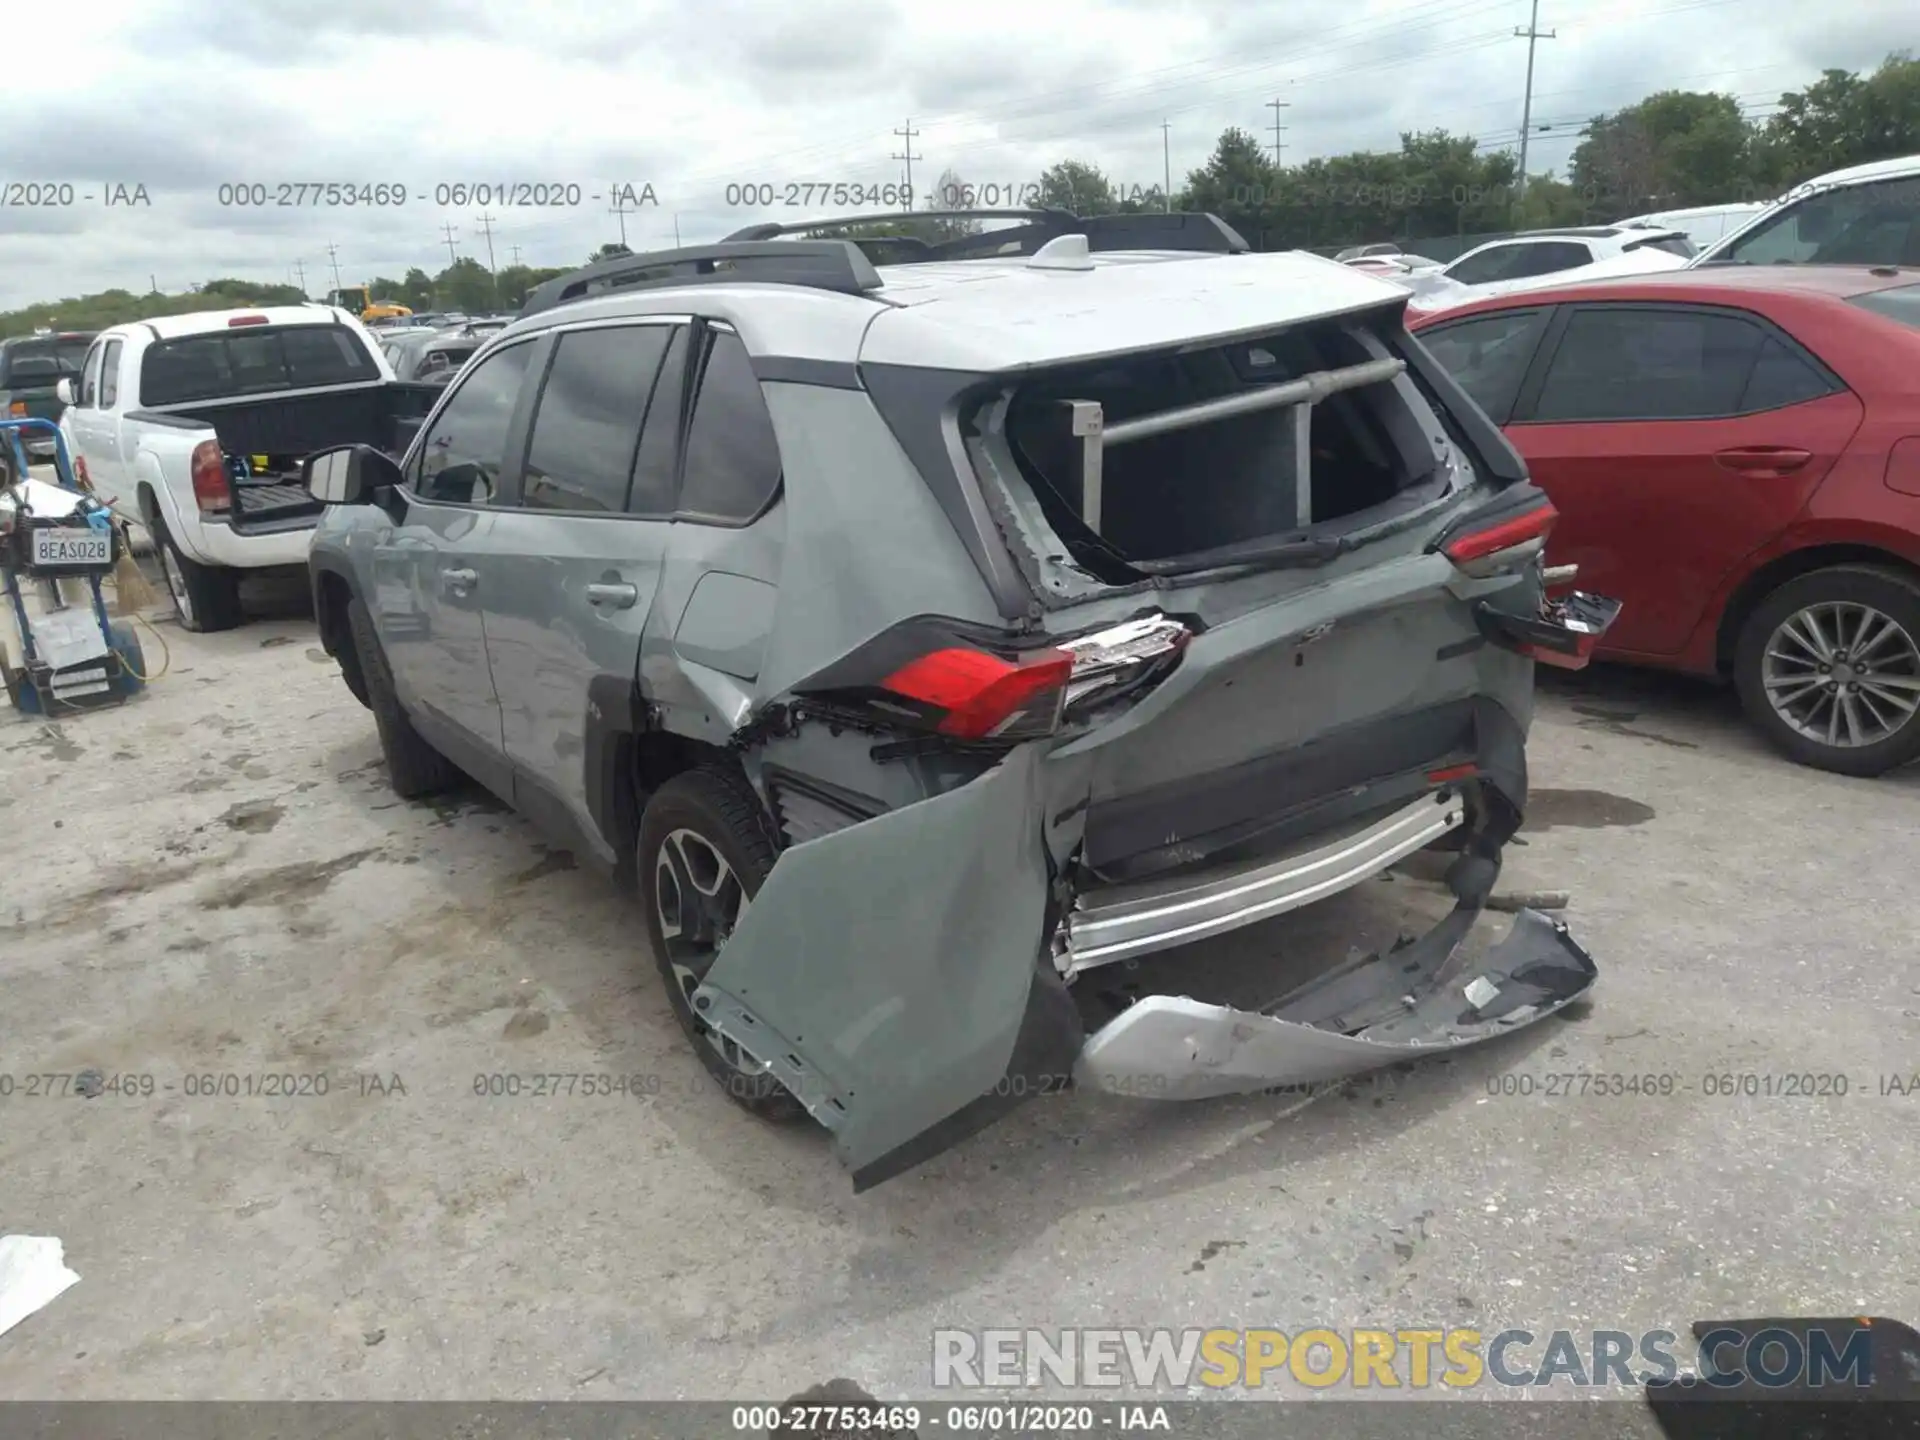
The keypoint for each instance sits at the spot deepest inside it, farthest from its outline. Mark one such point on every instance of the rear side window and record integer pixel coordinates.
(587, 428)
(1547, 257)
(733, 460)
(110, 374)
(1873, 224)
(1488, 355)
(1779, 378)
(1627, 363)
(38, 363)
(463, 454)
(1901, 303)
(251, 361)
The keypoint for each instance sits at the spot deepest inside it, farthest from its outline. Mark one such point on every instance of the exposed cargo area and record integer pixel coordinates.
(1178, 460)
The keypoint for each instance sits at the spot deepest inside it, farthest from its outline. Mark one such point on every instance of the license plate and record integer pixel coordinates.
(71, 547)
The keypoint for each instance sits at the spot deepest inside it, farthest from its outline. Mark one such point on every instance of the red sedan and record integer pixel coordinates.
(1735, 454)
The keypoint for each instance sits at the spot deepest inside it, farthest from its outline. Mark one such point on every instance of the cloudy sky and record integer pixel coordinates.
(689, 97)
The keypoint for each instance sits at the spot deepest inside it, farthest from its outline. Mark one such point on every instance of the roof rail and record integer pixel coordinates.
(1181, 230)
(835, 265)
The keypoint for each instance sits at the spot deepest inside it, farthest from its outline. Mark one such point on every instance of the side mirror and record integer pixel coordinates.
(347, 474)
(64, 391)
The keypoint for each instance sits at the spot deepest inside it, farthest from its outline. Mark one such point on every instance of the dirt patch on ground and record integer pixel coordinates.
(284, 884)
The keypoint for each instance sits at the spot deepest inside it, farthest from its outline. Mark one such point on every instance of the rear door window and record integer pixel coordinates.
(587, 427)
(733, 460)
(1487, 266)
(1621, 362)
(1489, 355)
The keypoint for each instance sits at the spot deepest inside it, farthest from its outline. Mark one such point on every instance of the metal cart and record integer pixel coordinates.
(65, 654)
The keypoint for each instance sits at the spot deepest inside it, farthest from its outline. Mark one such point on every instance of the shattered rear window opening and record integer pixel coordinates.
(1179, 498)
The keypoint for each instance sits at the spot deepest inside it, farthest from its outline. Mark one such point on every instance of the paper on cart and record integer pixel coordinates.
(68, 637)
(32, 1272)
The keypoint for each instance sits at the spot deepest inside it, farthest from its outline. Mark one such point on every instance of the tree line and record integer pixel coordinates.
(1673, 149)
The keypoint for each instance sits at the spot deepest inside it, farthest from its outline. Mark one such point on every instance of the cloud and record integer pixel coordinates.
(187, 96)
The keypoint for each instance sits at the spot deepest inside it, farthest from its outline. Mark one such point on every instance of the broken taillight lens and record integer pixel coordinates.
(1109, 662)
(1515, 527)
(969, 683)
(974, 695)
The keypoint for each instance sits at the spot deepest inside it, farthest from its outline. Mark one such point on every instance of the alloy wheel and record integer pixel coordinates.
(700, 901)
(1842, 673)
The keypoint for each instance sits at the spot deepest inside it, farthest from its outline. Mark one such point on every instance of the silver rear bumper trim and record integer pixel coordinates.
(1122, 922)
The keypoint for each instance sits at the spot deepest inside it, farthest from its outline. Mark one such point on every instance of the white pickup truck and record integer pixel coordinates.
(195, 426)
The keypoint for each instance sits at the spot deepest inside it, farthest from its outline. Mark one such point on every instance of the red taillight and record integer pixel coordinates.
(80, 470)
(1505, 534)
(247, 320)
(985, 697)
(210, 489)
(1452, 772)
(17, 408)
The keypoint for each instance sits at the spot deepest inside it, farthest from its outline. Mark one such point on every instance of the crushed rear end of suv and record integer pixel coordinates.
(1116, 589)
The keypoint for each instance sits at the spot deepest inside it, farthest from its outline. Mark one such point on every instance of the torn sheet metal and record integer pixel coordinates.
(1402, 1005)
(33, 1272)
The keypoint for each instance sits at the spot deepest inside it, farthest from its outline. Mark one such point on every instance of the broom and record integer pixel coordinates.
(132, 591)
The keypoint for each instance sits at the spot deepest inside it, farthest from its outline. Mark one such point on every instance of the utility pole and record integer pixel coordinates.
(1277, 106)
(486, 228)
(447, 231)
(1532, 34)
(619, 207)
(1166, 162)
(676, 230)
(909, 135)
(333, 258)
(300, 270)
(516, 255)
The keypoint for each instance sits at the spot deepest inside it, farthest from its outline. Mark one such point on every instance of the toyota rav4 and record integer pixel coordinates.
(927, 627)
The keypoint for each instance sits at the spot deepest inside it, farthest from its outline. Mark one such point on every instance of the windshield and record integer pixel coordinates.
(1872, 224)
(253, 361)
(1901, 303)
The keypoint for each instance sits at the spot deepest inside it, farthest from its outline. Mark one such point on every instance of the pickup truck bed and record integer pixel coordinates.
(285, 430)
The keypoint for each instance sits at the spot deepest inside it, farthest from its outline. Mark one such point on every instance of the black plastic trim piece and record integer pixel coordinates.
(836, 265)
(798, 370)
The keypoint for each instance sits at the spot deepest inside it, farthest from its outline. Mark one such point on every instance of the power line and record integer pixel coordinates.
(452, 259)
(908, 135)
(1277, 106)
(1532, 35)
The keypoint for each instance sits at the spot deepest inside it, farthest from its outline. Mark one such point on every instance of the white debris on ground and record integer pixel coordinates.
(33, 1271)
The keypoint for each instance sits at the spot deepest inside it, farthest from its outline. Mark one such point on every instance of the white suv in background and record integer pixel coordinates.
(1863, 215)
(1549, 257)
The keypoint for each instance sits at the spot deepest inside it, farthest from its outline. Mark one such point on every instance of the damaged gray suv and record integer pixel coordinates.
(925, 628)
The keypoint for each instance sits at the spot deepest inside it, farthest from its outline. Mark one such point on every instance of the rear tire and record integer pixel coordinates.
(1787, 695)
(716, 821)
(206, 598)
(414, 768)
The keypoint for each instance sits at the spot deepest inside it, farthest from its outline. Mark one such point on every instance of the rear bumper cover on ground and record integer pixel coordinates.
(1405, 1004)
